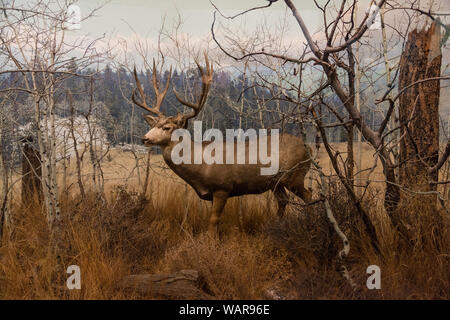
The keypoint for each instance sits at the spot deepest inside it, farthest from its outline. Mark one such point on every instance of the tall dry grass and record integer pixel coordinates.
(258, 257)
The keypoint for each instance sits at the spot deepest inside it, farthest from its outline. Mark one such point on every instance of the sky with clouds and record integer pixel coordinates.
(146, 16)
(143, 18)
(128, 20)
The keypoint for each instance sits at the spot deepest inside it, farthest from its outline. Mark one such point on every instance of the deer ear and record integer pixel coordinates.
(150, 120)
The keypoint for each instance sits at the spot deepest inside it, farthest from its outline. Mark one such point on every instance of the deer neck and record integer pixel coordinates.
(167, 153)
(179, 169)
(192, 174)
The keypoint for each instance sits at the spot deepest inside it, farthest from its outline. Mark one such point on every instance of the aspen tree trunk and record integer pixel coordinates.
(260, 109)
(54, 191)
(4, 194)
(241, 218)
(4, 198)
(133, 147)
(446, 192)
(358, 107)
(241, 110)
(147, 173)
(45, 129)
(354, 87)
(44, 159)
(75, 145)
(392, 120)
(92, 155)
(65, 191)
(350, 154)
(97, 174)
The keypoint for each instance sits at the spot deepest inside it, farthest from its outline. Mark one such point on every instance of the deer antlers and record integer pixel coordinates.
(159, 95)
(206, 83)
(207, 77)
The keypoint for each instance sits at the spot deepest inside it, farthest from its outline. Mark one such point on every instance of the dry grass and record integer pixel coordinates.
(292, 258)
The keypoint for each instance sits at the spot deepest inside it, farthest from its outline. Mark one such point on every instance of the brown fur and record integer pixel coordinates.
(218, 182)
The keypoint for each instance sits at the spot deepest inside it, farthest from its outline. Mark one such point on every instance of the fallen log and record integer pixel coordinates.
(185, 284)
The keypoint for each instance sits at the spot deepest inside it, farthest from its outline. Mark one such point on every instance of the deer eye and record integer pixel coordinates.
(166, 128)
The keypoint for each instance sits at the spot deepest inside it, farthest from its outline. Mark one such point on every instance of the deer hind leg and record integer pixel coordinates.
(219, 201)
(298, 188)
(282, 198)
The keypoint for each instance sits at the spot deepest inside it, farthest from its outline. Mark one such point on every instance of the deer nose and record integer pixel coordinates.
(144, 140)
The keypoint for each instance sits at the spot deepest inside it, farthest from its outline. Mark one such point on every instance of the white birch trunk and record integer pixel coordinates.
(4, 208)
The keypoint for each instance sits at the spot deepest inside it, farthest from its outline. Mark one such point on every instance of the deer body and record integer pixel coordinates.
(217, 182)
(240, 179)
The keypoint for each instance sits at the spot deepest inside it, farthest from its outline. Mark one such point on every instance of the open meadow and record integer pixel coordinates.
(257, 256)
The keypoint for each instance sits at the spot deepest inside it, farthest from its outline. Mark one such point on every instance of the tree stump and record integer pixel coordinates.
(419, 105)
(31, 172)
(419, 127)
(181, 285)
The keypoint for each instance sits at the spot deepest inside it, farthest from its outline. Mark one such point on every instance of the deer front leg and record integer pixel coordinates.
(219, 201)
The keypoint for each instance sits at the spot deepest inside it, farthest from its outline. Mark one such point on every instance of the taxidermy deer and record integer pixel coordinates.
(217, 182)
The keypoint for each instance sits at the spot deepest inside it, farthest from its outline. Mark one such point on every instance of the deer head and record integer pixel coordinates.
(161, 125)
